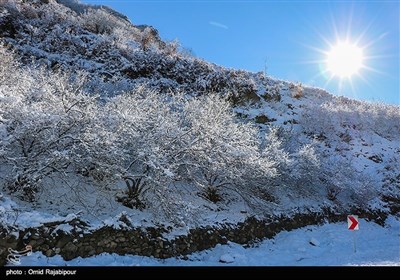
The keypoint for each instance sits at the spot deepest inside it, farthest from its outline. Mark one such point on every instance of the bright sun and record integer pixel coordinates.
(344, 59)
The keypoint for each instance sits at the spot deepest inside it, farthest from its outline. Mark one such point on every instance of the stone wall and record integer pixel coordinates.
(51, 240)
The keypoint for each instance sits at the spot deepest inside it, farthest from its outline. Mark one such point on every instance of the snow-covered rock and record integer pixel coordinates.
(314, 242)
(226, 258)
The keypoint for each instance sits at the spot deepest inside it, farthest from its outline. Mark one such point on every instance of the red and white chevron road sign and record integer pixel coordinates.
(352, 222)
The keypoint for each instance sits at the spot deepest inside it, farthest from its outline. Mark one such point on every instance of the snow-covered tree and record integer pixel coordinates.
(42, 116)
(222, 152)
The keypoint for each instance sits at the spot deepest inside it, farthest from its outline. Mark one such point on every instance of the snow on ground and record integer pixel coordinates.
(333, 245)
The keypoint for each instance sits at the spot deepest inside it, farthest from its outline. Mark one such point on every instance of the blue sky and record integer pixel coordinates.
(290, 38)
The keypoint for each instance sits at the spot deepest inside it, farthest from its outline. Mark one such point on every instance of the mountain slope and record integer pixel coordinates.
(322, 151)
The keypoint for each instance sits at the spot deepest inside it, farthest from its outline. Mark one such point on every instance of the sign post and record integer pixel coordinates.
(353, 224)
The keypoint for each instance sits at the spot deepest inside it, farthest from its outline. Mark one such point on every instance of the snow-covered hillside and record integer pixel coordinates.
(102, 120)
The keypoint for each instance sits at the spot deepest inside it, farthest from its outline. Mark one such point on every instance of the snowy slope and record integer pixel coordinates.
(342, 154)
(356, 143)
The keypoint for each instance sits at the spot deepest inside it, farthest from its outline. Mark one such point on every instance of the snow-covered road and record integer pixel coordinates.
(333, 244)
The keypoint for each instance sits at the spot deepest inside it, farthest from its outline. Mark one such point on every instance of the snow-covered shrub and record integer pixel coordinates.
(223, 152)
(341, 179)
(342, 118)
(74, 5)
(43, 115)
(129, 138)
(297, 90)
(272, 93)
(99, 21)
(299, 167)
(146, 39)
(8, 214)
(8, 65)
(172, 47)
(305, 162)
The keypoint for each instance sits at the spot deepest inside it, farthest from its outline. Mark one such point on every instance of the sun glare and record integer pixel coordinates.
(344, 59)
